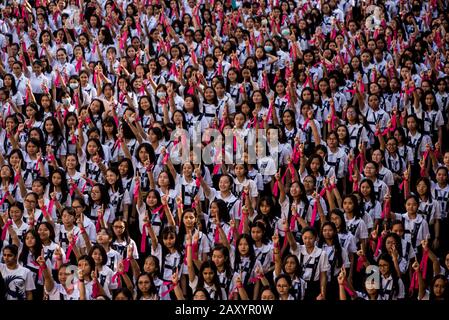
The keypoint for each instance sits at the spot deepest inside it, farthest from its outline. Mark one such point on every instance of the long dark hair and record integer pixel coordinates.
(152, 290)
(23, 257)
(215, 279)
(338, 257)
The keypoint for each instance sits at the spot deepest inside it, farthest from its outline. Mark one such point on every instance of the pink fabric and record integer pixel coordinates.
(5, 229)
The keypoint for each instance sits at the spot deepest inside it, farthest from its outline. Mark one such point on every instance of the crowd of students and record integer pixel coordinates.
(99, 100)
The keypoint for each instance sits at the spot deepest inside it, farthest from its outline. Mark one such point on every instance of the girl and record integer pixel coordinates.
(104, 239)
(169, 256)
(432, 118)
(121, 239)
(207, 277)
(283, 285)
(295, 208)
(9, 190)
(428, 207)
(119, 199)
(67, 231)
(217, 223)
(354, 223)
(370, 208)
(88, 284)
(266, 212)
(54, 139)
(245, 263)
(289, 266)
(313, 263)
(145, 288)
(262, 247)
(31, 250)
(440, 193)
(126, 170)
(221, 259)
(73, 176)
(391, 287)
(104, 273)
(415, 225)
(99, 212)
(92, 160)
(338, 257)
(58, 190)
(53, 254)
(241, 181)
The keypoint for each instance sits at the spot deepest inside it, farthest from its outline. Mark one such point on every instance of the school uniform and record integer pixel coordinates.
(311, 265)
(415, 229)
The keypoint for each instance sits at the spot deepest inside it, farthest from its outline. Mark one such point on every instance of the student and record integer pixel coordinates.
(313, 263)
(18, 280)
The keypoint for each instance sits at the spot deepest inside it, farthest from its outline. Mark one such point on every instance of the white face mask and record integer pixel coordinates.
(161, 94)
(74, 86)
(66, 101)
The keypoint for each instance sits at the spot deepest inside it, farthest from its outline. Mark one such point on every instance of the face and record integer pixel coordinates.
(67, 218)
(123, 168)
(150, 265)
(144, 284)
(267, 295)
(43, 232)
(119, 228)
(411, 206)
(189, 220)
(384, 268)
(243, 247)
(95, 193)
(111, 177)
(348, 205)
(96, 255)
(56, 179)
(30, 240)
(439, 288)
(9, 257)
(282, 287)
(290, 265)
(218, 258)
(208, 275)
(169, 240)
(199, 295)
(421, 188)
(256, 234)
(309, 239)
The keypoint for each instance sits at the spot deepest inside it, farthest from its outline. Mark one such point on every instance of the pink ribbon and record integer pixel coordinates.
(5, 229)
(70, 248)
(315, 206)
(143, 241)
(171, 286)
(79, 63)
(136, 191)
(360, 261)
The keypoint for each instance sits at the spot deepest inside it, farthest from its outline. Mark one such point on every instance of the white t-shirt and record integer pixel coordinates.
(17, 282)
